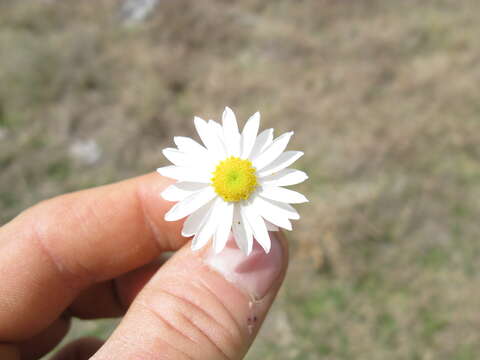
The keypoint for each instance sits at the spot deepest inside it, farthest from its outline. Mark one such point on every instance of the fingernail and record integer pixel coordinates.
(255, 273)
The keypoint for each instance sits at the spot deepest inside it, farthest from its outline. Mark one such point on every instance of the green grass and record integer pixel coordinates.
(59, 170)
(325, 301)
(465, 352)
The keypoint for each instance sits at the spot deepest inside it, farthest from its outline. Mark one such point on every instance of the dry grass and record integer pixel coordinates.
(384, 100)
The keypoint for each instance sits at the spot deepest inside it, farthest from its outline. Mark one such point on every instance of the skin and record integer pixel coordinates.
(97, 253)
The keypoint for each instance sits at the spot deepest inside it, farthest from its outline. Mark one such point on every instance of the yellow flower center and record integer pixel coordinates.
(234, 179)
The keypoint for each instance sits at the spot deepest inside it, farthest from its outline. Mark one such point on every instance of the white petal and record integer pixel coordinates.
(242, 232)
(285, 209)
(229, 121)
(185, 174)
(192, 154)
(263, 140)
(249, 135)
(284, 160)
(177, 157)
(224, 226)
(193, 222)
(270, 226)
(203, 131)
(272, 213)
(258, 226)
(209, 225)
(190, 204)
(230, 132)
(181, 190)
(189, 146)
(283, 195)
(209, 138)
(204, 234)
(285, 177)
(272, 152)
(218, 129)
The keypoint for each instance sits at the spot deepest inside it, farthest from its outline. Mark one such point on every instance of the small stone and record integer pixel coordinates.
(135, 11)
(86, 151)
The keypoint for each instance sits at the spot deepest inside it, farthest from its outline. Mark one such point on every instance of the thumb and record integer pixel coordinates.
(201, 305)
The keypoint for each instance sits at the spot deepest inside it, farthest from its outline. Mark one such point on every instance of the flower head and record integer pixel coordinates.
(234, 183)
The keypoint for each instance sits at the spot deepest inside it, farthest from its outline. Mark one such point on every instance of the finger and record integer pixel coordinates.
(44, 342)
(98, 301)
(39, 345)
(112, 298)
(54, 250)
(9, 352)
(129, 285)
(81, 349)
(107, 299)
(200, 306)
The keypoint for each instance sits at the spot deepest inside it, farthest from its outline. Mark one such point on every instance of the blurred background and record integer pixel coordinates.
(383, 97)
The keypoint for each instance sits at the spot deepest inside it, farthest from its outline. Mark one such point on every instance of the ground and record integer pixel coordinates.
(383, 98)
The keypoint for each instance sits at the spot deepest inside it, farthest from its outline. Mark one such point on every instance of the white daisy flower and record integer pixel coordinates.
(232, 184)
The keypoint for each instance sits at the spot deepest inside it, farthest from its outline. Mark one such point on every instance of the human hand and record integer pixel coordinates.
(94, 254)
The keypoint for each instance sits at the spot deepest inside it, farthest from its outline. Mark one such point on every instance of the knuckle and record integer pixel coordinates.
(44, 235)
(142, 200)
(193, 322)
(236, 334)
(131, 349)
(150, 208)
(182, 340)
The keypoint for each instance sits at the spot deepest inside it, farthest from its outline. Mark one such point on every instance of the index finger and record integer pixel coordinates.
(52, 251)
